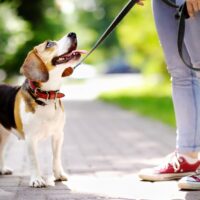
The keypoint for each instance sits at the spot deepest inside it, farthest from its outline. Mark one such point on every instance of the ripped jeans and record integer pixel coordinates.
(185, 82)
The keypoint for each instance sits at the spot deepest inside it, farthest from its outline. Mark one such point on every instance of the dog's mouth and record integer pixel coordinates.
(72, 54)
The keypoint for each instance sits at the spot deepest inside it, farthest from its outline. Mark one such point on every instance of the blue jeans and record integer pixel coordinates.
(185, 83)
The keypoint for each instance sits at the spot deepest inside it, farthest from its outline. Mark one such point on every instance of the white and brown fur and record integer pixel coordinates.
(21, 114)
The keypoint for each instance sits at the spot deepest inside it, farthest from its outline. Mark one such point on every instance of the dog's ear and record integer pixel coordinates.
(34, 68)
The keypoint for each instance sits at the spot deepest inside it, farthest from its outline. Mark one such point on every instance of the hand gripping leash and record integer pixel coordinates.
(112, 26)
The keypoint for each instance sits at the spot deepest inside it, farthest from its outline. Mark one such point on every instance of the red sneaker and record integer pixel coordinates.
(190, 182)
(175, 166)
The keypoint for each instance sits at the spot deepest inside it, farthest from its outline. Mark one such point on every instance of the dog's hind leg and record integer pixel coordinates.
(4, 135)
(57, 141)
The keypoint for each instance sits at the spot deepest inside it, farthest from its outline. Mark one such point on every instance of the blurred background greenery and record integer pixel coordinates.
(26, 23)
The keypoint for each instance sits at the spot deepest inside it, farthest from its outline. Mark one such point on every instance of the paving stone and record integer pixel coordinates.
(104, 148)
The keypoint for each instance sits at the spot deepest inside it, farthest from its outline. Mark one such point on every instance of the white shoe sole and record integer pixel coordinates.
(164, 177)
(189, 186)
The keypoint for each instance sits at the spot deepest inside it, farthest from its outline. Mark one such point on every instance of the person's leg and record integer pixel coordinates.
(185, 99)
(191, 40)
(192, 44)
(185, 85)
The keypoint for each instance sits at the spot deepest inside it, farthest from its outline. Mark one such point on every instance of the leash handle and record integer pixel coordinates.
(112, 26)
(181, 34)
(182, 15)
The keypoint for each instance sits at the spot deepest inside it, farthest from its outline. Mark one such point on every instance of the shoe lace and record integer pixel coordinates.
(173, 160)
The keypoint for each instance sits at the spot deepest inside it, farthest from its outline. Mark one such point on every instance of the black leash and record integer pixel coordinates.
(170, 3)
(182, 15)
(112, 26)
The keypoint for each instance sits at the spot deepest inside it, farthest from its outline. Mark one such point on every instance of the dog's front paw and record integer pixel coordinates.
(37, 182)
(61, 176)
(5, 171)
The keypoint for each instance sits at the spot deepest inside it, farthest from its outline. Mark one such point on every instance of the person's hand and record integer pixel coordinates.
(193, 6)
(141, 2)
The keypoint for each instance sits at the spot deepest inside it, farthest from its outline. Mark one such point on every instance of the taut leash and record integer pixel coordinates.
(181, 16)
(112, 26)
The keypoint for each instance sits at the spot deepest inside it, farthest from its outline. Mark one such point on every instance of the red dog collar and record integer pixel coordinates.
(47, 95)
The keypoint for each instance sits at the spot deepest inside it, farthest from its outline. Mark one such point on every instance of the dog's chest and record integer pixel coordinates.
(48, 112)
(45, 120)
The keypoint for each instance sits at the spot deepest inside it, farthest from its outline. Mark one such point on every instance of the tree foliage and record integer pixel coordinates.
(26, 23)
(134, 40)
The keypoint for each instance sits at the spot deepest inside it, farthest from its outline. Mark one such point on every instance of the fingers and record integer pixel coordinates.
(198, 4)
(193, 6)
(190, 9)
(141, 2)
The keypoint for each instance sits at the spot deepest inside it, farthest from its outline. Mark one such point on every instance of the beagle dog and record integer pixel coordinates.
(34, 111)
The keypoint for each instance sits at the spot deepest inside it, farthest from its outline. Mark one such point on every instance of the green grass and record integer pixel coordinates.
(152, 101)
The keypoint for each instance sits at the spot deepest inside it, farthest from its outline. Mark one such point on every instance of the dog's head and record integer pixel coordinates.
(52, 56)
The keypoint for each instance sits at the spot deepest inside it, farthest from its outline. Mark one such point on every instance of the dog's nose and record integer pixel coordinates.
(72, 35)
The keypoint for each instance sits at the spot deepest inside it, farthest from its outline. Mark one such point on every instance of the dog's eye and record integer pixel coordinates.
(50, 44)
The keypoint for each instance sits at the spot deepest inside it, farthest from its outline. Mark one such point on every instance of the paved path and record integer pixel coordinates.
(103, 150)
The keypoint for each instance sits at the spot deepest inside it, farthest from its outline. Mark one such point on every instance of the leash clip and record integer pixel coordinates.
(36, 90)
(48, 95)
(56, 96)
(182, 11)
